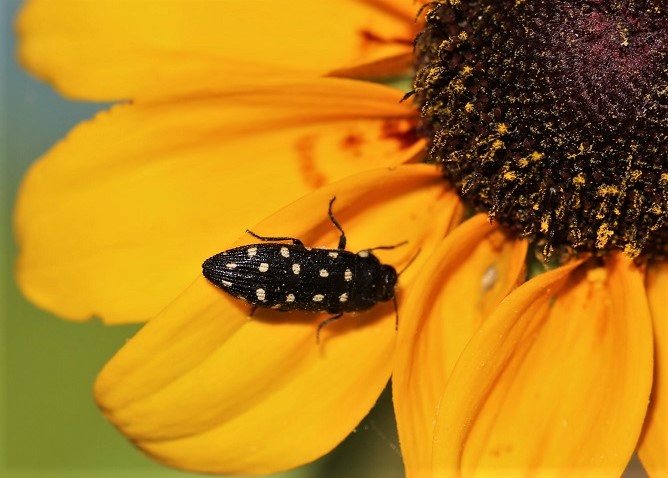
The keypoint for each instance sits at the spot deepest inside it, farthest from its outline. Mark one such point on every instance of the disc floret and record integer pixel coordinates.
(552, 116)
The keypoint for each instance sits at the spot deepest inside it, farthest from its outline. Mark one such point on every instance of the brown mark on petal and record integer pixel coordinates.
(369, 38)
(308, 167)
(352, 143)
(401, 130)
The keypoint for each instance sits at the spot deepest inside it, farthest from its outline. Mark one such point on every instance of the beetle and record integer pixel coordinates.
(282, 273)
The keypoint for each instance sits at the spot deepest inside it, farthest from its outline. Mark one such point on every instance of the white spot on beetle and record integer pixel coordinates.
(290, 298)
(231, 265)
(226, 283)
(348, 275)
(252, 251)
(285, 252)
(296, 268)
(324, 273)
(333, 254)
(264, 267)
(318, 298)
(261, 294)
(343, 297)
(363, 253)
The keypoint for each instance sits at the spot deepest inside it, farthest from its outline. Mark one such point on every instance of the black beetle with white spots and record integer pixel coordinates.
(283, 274)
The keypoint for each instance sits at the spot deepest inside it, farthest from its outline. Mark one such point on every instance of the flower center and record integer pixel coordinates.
(552, 116)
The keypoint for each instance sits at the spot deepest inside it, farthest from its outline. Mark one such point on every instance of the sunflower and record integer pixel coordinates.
(546, 116)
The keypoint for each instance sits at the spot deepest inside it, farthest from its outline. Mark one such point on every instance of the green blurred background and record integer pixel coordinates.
(50, 425)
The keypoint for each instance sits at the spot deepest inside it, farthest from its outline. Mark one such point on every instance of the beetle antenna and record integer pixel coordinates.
(410, 262)
(394, 246)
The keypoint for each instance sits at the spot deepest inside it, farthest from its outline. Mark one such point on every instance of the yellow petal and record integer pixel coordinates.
(116, 219)
(205, 388)
(556, 381)
(110, 49)
(653, 449)
(469, 273)
(398, 63)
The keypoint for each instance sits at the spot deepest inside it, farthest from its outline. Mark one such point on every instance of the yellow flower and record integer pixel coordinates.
(239, 109)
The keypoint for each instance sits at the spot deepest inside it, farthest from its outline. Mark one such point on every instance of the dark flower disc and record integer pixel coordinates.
(552, 115)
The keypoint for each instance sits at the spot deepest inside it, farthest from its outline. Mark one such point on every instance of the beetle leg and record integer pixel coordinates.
(323, 323)
(342, 238)
(295, 241)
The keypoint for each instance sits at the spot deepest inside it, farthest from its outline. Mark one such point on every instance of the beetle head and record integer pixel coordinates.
(389, 281)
